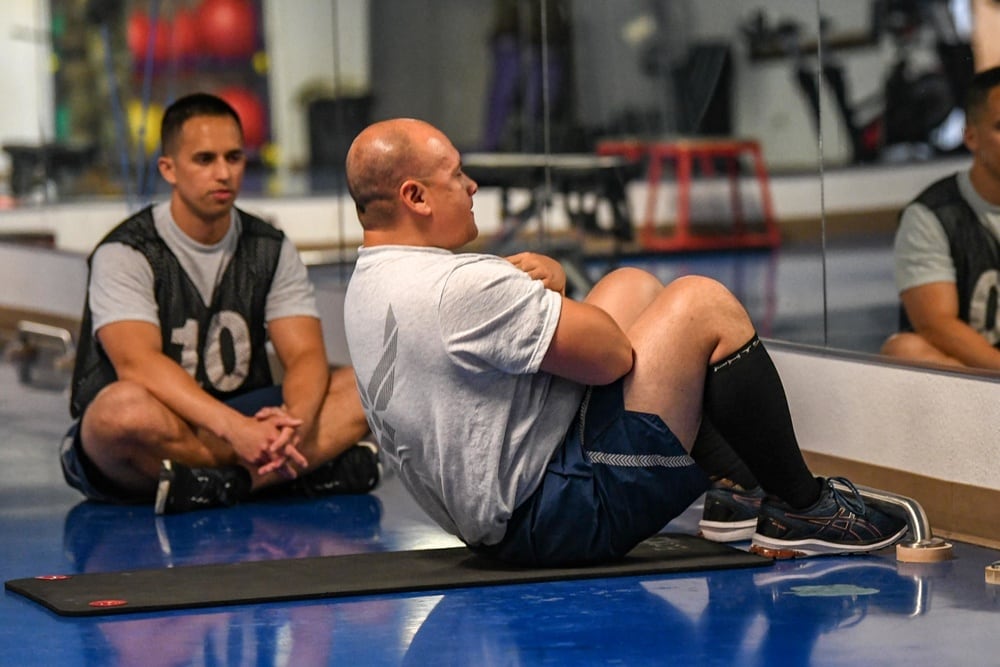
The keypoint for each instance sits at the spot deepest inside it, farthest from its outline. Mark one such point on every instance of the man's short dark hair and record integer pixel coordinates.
(187, 107)
(979, 90)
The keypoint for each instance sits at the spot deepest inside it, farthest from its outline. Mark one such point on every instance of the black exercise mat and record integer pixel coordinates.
(338, 576)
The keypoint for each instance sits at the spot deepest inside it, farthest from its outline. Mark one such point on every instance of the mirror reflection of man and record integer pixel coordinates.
(947, 251)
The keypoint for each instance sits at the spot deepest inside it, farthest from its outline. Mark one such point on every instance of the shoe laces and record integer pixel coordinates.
(203, 493)
(853, 502)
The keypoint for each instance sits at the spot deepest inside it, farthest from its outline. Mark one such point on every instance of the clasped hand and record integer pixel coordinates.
(280, 453)
(541, 267)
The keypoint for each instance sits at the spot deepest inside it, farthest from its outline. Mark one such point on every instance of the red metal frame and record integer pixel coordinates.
(682, 153)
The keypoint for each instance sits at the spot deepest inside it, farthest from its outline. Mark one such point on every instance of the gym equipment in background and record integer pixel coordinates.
(917, 112)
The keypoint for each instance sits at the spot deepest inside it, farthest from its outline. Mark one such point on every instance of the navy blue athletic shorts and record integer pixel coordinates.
(618, 478)
(81, 473)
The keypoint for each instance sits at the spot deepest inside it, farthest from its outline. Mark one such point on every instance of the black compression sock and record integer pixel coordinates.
(745, 401)
(717, 458)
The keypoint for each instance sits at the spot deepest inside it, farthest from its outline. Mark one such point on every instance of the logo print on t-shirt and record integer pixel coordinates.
(378, 393)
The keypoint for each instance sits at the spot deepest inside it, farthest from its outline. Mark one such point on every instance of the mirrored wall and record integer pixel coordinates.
(820, 117)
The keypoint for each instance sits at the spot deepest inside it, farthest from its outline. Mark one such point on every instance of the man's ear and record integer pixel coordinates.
(166, 167)
(970, 138)
(414, 196)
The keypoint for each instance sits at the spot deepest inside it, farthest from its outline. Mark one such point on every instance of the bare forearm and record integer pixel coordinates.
(588, 347)
(304, 388)
(960, 341)
(178, 391)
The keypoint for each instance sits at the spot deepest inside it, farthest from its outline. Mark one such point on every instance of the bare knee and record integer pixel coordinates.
(121, 411)
(914, 347)
(702, 300)
(346, 399)
(123, 433)
(704, 296)
(709, 314)
(625, 293)
(905, 345)
(632, 278)
(341, 420)
(342, 379)
(635, 285)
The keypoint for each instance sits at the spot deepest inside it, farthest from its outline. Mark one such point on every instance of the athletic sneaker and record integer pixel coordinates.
(730, 515)
(357, 470)
(182, 489)
(839, 522)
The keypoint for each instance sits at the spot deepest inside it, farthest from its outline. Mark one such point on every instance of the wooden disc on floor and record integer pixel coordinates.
(993, 573)
(933, 550)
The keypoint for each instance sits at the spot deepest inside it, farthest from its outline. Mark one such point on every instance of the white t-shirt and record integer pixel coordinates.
(121, 279)
(922, 253)
(447, 350)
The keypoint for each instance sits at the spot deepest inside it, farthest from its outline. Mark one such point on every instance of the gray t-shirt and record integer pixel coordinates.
(447, 349)
(121, 279)
(922, 254)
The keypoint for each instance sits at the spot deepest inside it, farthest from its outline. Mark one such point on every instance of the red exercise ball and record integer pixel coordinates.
(228, 28)
(138, 31)
(184, 36)
(252, 114)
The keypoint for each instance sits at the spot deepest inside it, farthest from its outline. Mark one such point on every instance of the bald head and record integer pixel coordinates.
(381, 158)
(409, 188)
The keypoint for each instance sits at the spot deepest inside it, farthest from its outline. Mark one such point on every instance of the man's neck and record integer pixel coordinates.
(207, 231)
(374, 238)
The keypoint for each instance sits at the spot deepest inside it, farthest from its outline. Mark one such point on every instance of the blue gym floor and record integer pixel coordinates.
(860, 610)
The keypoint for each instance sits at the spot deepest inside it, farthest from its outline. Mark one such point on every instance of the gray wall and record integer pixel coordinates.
(430, 60)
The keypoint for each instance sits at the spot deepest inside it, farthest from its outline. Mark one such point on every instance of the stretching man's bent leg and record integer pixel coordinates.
(693, 327)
